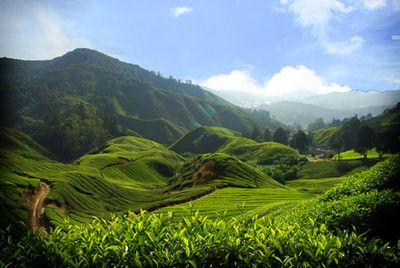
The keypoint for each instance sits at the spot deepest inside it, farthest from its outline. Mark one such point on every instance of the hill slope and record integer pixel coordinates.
(124, 174)
(83, 98)
(212, 139)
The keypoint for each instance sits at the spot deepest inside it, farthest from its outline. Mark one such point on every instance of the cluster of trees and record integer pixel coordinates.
(320, 123)
(299, 140)
(73, 130)
(362, 138)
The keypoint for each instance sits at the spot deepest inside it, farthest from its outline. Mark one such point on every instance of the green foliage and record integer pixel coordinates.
(332, 169)
(76, 102)
(300, 141)
(316, 124)
(365, 140)
(283, 167)
(155, 240)
(321, 137)
(267, 136)
(281, 136)
(204, 140)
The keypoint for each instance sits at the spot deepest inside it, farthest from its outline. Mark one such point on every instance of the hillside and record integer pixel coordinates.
(124, 174)
(212, 140)
(290, 112)
(351, 225)
(83, 98)
(387, 122)
(355, 99)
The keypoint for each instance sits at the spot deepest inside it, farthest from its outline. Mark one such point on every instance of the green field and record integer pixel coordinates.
(230, 202)
(314, 186)
(337, 228)
(351, 155)
(331, 169)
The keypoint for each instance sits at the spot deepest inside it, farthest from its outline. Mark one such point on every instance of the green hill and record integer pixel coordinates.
(78, 101)
(213, 139)
(124, 174)
(204, 139)
(322, 137)
(220, 171)
(127, 173)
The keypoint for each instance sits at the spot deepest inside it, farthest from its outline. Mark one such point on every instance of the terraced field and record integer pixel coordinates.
(125, 174)
(230, 202)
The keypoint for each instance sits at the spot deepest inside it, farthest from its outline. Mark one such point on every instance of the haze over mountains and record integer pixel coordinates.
(304, 109)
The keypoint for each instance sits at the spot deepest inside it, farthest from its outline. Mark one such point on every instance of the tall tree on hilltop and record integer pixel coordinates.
(255, 134)
(365, 140)
(387, 142)
(300, 141)
(336, 144)
(348, 133)
(281, 136)
(267, 135)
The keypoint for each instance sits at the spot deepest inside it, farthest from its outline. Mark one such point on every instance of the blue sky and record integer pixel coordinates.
(269, 47)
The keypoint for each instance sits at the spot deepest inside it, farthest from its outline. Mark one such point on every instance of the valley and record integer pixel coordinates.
(104, 163)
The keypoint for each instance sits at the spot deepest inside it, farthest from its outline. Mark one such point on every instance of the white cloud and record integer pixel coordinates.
(300, 80)
(372, 4)
(179, 11)
(35, 31)
(237, 80)
(344, 47)
(318, 14)
(288, 83)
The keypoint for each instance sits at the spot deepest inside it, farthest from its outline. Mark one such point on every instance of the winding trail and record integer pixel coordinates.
(36, 206)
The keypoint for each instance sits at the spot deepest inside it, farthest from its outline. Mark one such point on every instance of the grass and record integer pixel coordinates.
(204, 139)
(332, 169)
(314, 186)
(125, 174)
(352, 155)
(233, 202)
(321, 137)
(351, 225)
(222, 140)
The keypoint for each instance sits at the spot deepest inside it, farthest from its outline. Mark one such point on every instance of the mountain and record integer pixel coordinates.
(75, 102)
(242, 99)
(291, 112)
(355, 99)
(305, 109)
(302, 113)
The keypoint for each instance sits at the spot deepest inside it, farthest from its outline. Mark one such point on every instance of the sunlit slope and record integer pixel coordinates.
(234, 202)
(204, 139)
(222, 140)
(124, 174)
(221, 170)
(127, 174)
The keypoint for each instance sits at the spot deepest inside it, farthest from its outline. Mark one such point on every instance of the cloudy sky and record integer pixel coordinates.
(270, 47)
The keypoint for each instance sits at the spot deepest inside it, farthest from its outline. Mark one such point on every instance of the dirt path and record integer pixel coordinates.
(36, 206)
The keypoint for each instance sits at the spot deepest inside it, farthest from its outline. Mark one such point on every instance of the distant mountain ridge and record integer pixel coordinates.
(304, 110)
(77, 101)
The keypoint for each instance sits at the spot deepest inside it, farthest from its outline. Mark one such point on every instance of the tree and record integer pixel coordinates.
(348, 133)
(336, 144)
(267, 135)
(387, 142)
(316, 124)
(300, 141)
(255, 134)
(365, 140)
(280, 136)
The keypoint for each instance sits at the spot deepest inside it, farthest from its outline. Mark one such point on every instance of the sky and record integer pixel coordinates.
(274, 47)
